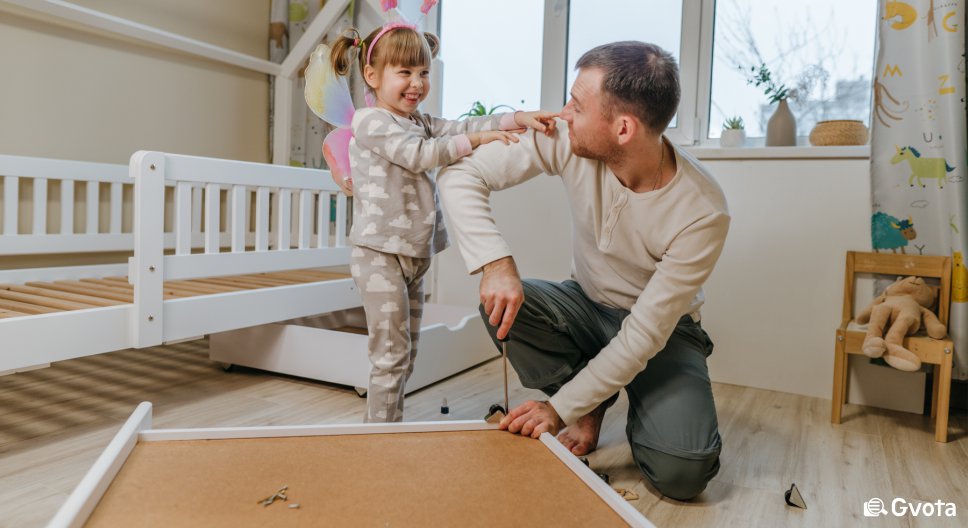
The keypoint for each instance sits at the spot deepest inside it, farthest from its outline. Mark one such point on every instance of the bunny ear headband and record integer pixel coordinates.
(400, 21)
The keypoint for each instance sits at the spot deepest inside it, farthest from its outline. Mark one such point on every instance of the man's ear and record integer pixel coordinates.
(626, 128)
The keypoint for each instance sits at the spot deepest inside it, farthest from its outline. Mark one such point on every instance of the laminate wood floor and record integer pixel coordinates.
(55, 422)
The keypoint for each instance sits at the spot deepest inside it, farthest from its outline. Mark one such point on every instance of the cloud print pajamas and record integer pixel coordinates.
(397, 227)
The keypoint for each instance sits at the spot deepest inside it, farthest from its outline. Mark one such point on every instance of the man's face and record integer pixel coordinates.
(588, 131)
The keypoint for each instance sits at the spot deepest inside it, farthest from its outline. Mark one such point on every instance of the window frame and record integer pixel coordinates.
(697, 36)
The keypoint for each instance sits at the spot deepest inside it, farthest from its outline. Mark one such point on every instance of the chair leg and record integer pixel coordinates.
(840, 369)
(944, 396)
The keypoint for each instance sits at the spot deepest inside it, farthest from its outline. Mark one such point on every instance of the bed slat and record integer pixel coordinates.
(284, 198)
(305, 219)
(11, 204)
(238, 218)
(40, 207)
(93, 205)
(26, 308)
(67, 207)
(116, 203)
(49, 302)
(84, 299)
(340, 220)
(82, 289)
(183, 218)
(262, 219)
(322, 221)
(212, 213)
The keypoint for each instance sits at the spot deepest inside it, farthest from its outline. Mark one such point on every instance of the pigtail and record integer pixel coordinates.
(342, 47)
(434, 44)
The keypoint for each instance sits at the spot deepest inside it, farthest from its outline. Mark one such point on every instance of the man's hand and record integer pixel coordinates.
(501, 294)
(539, 120)
(532, 418)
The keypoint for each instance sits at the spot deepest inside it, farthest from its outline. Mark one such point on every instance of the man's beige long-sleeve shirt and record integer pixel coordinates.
(649, 252)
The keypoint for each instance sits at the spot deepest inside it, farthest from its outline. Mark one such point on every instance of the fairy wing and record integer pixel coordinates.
(336, 152)
(327, 94)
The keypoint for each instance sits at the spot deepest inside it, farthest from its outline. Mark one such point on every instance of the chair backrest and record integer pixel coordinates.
(898, 265)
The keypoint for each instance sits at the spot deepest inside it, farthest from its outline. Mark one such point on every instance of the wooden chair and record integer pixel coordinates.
(933, 351)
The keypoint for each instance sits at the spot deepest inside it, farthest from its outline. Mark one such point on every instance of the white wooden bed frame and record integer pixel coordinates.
(78, 507)
(301, 237)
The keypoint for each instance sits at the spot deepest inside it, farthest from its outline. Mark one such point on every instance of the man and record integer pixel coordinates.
(649, 225)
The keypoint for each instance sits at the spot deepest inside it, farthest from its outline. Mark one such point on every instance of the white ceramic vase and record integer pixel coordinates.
(732, 137)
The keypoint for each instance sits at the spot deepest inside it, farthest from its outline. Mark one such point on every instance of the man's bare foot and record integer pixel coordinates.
(582, 438)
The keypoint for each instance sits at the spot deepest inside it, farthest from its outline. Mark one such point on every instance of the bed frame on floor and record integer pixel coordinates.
(195, 270)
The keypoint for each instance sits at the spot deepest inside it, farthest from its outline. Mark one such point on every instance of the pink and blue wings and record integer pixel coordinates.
(328, 96)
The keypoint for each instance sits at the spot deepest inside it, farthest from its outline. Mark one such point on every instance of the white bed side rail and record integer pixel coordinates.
(298, 217)
(86, 201)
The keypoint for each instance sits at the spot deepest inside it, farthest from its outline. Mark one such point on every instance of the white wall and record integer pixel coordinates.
(70, 93)
(775, 298)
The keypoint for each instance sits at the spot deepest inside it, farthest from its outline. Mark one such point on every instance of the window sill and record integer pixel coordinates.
(804, 152)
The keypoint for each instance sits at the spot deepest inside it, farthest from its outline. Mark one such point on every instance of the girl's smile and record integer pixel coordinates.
(400, 89)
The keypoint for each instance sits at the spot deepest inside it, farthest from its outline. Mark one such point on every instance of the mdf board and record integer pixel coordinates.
(410, 474)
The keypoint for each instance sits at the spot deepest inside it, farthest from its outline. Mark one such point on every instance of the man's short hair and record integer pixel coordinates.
(640, 79)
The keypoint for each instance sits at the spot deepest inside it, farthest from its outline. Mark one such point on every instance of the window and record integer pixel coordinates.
(593, 22)
(821, 49)
(522, 53)
(491, 53)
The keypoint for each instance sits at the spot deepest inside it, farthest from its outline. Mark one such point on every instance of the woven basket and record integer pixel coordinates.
(838, 132)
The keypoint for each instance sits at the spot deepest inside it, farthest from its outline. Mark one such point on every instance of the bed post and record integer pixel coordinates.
(146, 271)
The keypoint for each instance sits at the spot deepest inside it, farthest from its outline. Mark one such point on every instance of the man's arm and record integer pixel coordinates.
(465, 188)
(684, 268)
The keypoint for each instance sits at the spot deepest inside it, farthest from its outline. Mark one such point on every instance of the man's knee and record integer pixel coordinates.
(676, 477)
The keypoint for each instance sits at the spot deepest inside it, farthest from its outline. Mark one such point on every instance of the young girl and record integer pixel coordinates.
(397, 221)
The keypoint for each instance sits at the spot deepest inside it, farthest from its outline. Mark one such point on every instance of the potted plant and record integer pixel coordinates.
(478, 109)
(734, 133)
(781, 129)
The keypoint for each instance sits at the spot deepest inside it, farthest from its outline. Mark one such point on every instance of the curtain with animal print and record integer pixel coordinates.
(918, 143)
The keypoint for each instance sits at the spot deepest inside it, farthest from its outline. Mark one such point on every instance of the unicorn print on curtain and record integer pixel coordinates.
(918, 143)
(288, 21)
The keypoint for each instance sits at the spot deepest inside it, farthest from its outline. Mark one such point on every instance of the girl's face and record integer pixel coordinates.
(399, 89)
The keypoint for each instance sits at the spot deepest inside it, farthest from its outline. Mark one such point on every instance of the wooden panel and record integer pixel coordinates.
(84, 289)
(113, 285)
(6, 314)
(322, 220)
(39, 300)
(201, 287)
(199, 482)
(25, 307)
(85, 299)
(929, 350)
(891, 264)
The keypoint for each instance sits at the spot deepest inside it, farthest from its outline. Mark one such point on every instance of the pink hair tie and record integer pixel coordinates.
(356, 42)
(386, 29)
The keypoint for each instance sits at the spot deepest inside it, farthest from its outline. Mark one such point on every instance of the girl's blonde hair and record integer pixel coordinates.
(397, 47)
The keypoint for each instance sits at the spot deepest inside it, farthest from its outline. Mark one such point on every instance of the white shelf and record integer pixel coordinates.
(804, 152)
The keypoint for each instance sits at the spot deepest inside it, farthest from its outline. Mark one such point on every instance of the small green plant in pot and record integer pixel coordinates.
(734, 133)
(478, 109)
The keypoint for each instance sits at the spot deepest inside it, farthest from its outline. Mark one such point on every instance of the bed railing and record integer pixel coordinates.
(92, 201)
(260, 201)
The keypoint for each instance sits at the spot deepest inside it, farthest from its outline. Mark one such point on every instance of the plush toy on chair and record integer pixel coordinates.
(899, 310)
